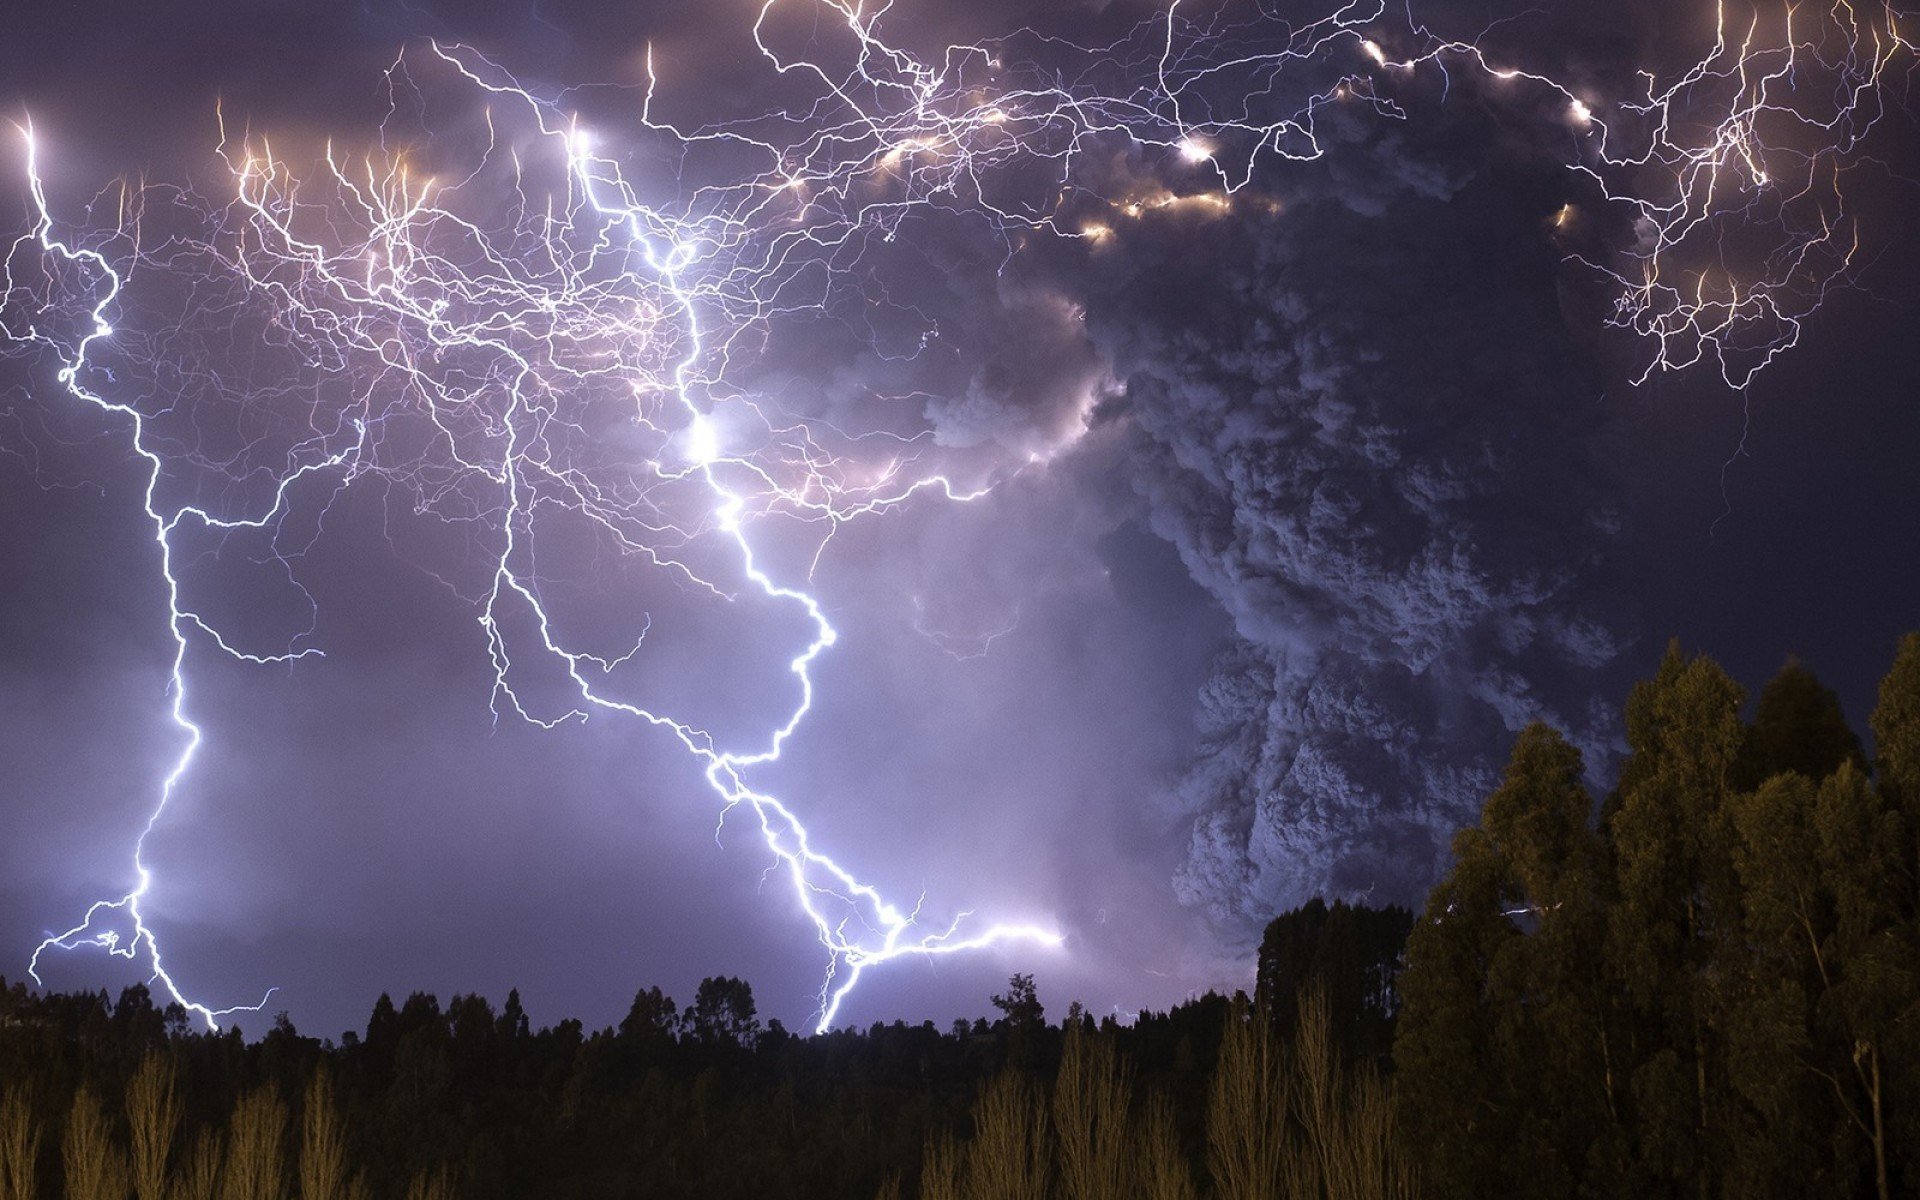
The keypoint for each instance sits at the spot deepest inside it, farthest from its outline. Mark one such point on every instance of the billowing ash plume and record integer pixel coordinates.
(1356, 410)
(1200, 278)
(1365, 440)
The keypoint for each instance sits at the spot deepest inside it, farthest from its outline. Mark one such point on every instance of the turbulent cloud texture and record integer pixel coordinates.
(1354, 408)
(1344, 424)
(1365, 441)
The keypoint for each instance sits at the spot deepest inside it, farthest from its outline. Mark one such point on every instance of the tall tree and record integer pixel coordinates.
(323, 1142)
(1557, 1025)
(1896, 743)
(1023, 1019)
(1163, 1170)
(153, 1120)
(1452, 1102)
(255, 1167)
(1020, 1003)
(651, 1022)
(201, 1167)
(1896, 730)
(1247, 1131)
(1873, 996)
(1505, 1047)
(1092, 1092)
(1677, 909)
(95, 1168)
(1783, 1133)
(1009, 1156)
(19, 1144)
(1799, 727)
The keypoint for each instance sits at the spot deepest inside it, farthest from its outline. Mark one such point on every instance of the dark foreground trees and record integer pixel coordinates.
(1711, 991)
(106, 1101)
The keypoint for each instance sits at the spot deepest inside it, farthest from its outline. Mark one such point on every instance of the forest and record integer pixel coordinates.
(1703, 982)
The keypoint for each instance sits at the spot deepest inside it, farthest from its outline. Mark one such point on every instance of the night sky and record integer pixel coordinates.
(1300, 508)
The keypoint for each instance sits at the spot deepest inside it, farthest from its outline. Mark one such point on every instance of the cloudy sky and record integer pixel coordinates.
(1302, 504)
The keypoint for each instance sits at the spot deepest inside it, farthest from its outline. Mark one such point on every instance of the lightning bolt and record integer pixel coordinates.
(181, 621)
(486, 357)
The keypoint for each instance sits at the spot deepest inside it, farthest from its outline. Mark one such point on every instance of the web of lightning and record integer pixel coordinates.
(501, 370)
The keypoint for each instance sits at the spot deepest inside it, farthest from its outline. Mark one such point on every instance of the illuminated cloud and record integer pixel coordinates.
(1316, 349)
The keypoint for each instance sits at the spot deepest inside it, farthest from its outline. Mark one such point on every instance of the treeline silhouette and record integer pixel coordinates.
(104, 1099)
(1704, 984)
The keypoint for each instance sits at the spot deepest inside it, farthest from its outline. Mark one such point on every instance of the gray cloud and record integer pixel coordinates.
(1360, 425)
(1363, 425)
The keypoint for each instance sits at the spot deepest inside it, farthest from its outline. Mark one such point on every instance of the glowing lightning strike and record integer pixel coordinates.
(815, 875)
(477, 362)
(181, 621)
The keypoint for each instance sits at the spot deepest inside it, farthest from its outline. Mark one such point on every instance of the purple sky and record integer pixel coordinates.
(1361, 486)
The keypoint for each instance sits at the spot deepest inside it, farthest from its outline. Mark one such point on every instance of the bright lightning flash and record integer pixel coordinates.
(477, 361)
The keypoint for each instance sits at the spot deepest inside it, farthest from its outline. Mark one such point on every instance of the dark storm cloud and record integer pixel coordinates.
(1354, 440)
(1302, 427)
(1363, 425)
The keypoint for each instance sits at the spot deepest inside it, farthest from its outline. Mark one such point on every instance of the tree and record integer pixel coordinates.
(430, 1185)
(1164, 1173)
(1020, 1004)
(723, 1013)
(1009, 1155)
(513, 1016)
(139, 1024)
(1677, 911)
(95, 1168)
(153, 1120)
(1556, 1025)
(1451, 1100)
(1505, 1044)
(652, 1020)
(1347, 1147)
(1247, 1113)
(200, 1168)
(1896, 733)
(1870, 999)
(323, 1143)
(1092, 1092)
(940, 1170)
(1798, 727)
(1350, 954)
(255, 1162)
(19, 1144)
(1023, 1021)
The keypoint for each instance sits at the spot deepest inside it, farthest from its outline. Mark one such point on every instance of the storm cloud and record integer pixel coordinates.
(1352, 402)
(1301, 503)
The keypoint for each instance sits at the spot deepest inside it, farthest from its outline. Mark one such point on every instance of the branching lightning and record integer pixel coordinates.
(568, 363)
